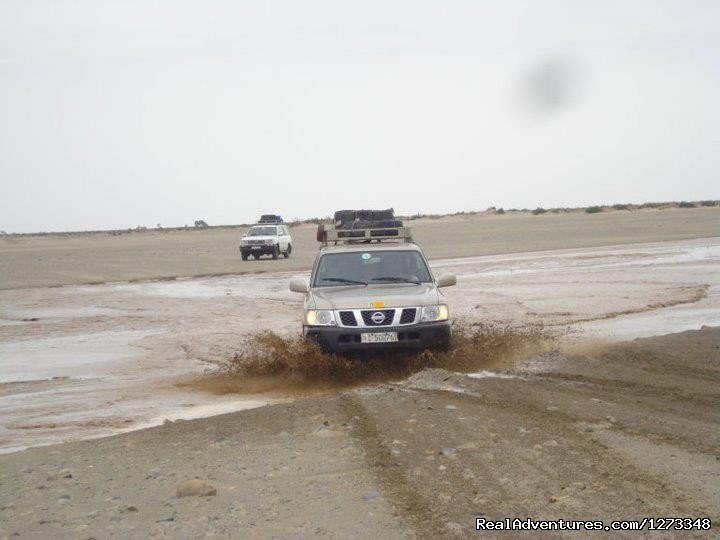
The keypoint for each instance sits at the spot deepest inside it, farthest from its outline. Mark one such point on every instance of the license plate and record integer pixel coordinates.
(379, 337)
(255, 247)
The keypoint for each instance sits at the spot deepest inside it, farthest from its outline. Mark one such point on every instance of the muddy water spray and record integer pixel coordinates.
(268, 362)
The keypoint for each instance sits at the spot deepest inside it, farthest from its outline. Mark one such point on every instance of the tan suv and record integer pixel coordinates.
(366, 294)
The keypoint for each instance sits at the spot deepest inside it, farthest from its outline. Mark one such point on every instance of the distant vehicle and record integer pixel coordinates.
(265, 239)
(270, 218)
(372, 288)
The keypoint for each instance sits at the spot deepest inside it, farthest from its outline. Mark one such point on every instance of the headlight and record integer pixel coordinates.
(321, 317)
(243, 242)
(434, 313)
(270, 242)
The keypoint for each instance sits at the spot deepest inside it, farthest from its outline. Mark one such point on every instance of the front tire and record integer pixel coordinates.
(276, 252)
(288, 251)
(244, 256)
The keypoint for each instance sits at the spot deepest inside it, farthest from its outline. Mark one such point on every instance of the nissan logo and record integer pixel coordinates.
(378, 317)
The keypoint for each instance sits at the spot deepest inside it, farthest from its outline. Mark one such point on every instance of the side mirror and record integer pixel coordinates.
(299, 285)
(447, 280)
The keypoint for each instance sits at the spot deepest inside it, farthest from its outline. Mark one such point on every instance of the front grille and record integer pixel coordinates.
(347, 318)
(255, 242)
(388, 313)
(408, 316)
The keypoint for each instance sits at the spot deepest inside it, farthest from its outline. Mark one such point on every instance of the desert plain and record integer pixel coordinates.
(593, 394)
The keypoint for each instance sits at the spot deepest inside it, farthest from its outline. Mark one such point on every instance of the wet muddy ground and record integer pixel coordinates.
(88, 361)
(619, 431)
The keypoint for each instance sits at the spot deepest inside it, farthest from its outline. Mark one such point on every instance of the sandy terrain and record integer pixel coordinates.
(93, 360)
(594, 427)
(622, 432)
(36, 261)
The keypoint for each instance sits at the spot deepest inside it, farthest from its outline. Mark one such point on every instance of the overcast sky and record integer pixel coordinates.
(121, 113)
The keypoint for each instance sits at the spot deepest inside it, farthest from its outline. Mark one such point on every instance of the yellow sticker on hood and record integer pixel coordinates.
(377, 303)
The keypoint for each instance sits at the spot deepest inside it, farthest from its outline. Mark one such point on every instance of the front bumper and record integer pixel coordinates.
(258, 250)
(429, 335)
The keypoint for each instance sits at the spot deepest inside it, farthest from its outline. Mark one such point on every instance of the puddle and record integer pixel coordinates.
(491, 375)
(658, 322)
(41, 313)
(270, 285)
(84, 355)
(10, 322)
(203, 410)
(617, 293)
(576, 260)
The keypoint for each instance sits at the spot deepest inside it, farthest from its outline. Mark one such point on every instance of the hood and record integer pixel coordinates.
(359, 297)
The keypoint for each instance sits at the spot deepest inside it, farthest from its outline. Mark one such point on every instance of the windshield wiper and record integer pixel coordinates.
(397, 279)
(343, 280)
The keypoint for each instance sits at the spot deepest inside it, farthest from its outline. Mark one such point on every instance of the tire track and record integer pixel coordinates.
(393, 481)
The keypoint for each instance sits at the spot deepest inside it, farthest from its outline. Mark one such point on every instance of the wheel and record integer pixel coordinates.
(276, 252)
(288, 251)
(244, 255)
(256, 256)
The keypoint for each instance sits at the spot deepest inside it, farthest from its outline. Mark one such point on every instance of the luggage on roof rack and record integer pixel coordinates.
(270, 218)
(345, 218)
(363, 226)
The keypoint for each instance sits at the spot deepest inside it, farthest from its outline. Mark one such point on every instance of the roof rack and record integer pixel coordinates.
(270, 220)
(328, 234)
(363, 226)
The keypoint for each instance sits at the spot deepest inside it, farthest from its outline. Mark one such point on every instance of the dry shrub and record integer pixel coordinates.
(268, 362)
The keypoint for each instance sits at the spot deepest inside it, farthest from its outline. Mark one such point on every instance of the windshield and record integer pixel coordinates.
(371, 267)
(262, 231)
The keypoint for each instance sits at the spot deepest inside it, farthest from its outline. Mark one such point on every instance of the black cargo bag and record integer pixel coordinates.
(343, 218)
(383, 215)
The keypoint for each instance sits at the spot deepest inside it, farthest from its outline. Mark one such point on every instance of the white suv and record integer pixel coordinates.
(266, 240)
